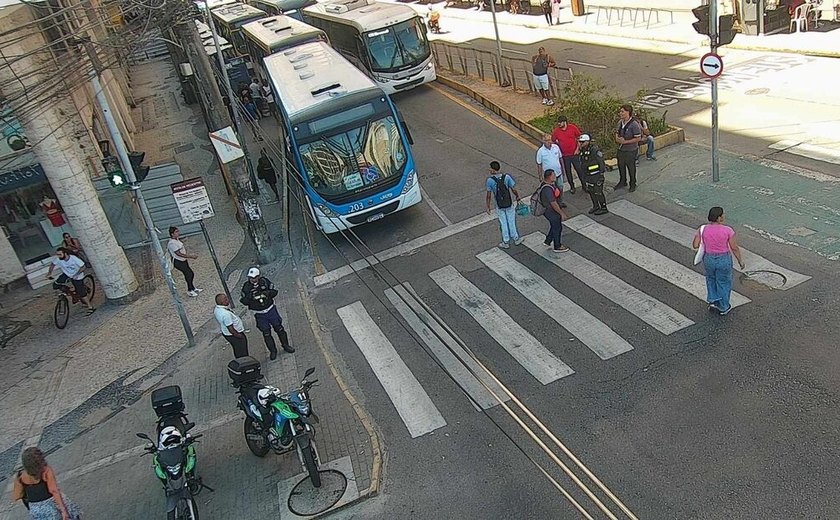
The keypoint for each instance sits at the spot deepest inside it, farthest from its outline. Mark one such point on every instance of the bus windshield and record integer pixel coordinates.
(397, 47)
(361, 156)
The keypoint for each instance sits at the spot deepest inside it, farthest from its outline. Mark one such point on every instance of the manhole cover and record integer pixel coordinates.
(763, 280)
(306, 500)
(757, 91)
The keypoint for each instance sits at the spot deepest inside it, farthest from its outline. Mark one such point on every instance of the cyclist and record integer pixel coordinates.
(72, 268)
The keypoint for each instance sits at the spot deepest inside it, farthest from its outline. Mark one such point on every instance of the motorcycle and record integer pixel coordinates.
(275, 420)
(174, 454)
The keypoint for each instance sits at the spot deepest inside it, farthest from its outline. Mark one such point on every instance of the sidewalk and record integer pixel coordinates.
(588, 29)
(80, 394)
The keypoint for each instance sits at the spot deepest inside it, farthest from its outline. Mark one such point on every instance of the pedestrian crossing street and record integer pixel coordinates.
(411, 401)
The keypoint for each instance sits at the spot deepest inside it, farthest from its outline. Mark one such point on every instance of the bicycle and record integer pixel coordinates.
(66, 294)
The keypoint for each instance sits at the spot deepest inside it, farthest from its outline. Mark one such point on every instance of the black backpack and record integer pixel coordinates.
(503, 198)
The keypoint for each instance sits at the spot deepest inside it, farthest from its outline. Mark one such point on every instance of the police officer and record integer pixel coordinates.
(258, 295)
(592, 161)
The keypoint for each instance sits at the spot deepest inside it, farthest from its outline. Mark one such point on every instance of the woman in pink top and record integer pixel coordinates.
(719, 245)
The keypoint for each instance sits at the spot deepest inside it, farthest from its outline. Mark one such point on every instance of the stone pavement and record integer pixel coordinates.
(585, 29)
(90, 382)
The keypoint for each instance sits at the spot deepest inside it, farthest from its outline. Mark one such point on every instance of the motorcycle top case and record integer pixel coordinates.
(244, 370)
(167, 401)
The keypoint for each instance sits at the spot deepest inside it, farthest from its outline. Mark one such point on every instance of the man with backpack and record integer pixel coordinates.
(501, 188)
(544, 202)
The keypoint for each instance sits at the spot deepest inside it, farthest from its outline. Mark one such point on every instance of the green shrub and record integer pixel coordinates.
(588, 103)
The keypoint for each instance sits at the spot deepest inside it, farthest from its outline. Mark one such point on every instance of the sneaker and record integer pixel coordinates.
(651, 158)
(593, 210)
(197, 290)
(504, 245)
(192, 293)
(545, 101)
(518, 241)
(550, 102)
(632, 188)
(724, 313)
(601, 211)
(563, 249)
(547, 244)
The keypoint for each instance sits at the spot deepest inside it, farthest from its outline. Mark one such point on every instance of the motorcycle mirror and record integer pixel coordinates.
(144, 436)
(309, 372)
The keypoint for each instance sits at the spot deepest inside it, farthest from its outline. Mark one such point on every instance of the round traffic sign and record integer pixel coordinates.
(711, 65)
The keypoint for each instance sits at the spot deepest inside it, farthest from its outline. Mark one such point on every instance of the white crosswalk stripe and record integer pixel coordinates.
(413, 404)
(591, 331)
(519, 343)
(647, 308)
(451, 355)
(684, 235)
(677, 274)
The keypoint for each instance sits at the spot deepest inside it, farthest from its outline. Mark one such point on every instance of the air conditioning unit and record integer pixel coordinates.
(344, 6)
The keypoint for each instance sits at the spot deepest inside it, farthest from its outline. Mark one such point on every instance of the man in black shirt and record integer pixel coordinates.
(258, 295)
(628, 133)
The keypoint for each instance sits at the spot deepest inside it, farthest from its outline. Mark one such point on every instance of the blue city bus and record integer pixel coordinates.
(345, 137)
(236, 65)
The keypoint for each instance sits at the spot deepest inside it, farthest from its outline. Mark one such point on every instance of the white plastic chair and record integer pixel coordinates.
(800, 18)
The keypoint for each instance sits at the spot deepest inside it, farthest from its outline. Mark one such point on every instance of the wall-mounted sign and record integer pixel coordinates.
(22, 177)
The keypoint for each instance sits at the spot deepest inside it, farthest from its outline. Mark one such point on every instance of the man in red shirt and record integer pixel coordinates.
(566, 135)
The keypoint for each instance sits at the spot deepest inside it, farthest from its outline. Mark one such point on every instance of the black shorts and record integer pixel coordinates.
(78, 285)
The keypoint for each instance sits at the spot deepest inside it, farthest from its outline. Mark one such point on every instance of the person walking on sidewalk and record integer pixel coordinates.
(258, 295)
(719, 246)
(501, 188)
(592, 160)
(549, 157)
(541, 62)
(231, 326)
(265, 171)
(565, 135)
(628, 133)
(180, 259)
(37, 487)
(549, 193)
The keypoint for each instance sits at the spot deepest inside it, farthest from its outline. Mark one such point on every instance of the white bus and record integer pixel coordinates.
(229, 20)
(288, 7)
(388, 41)
(345, 137)
(276, 33)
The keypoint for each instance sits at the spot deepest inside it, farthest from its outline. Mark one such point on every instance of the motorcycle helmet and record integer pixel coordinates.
(263, 395)
(169, 437)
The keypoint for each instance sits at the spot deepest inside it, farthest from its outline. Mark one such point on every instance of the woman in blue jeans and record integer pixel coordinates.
(719, 246)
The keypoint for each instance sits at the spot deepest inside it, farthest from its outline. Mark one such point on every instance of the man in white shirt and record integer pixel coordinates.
(549, 157)
(179, 259)
(72, 268)
(231, 326)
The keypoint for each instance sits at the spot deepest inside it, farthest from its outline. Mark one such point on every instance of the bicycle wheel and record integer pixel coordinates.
(62, 311)
(90, 285)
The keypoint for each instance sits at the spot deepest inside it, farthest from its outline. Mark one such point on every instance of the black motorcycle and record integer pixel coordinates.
(174, 454)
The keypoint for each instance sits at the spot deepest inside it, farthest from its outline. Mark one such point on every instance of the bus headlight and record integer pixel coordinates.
(325, 211)
(409, 182)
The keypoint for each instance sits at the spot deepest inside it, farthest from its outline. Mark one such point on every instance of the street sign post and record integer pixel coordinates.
(226, 144)
(711, 65)
(194, 205)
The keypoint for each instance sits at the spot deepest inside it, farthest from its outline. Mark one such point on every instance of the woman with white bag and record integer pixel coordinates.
(716, 245)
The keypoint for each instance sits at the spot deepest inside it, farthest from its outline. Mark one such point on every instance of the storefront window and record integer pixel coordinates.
(30, 213)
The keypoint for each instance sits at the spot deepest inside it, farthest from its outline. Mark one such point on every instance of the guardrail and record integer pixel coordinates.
(482, 64)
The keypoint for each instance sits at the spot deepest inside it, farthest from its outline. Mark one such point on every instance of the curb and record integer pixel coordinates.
(364, 416)
(675, 136)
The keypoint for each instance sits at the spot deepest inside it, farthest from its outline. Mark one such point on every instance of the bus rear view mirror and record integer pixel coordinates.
(407, 133)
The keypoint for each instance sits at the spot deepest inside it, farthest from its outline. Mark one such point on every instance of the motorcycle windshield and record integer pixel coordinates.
(171, 456)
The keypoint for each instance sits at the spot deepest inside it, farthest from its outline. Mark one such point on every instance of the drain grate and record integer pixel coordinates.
(306, 500)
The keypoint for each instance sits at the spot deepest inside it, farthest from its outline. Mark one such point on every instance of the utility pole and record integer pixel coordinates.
(713, 38)
(125, 162)
(245, 183)
(503, 81)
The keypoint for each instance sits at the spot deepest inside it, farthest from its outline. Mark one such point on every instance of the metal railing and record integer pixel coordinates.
(482, 64)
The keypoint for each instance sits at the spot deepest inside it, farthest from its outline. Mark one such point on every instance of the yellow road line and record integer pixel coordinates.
(504, 128)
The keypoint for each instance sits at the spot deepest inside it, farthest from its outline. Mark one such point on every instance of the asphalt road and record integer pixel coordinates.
(765, 98)
(725, 418)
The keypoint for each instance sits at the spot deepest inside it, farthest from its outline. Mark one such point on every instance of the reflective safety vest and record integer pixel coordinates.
(590, 161)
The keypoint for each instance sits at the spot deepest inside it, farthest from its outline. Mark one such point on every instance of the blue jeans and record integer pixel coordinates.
(718, 279)
(650, 148)
(507, 219)
(555, 229)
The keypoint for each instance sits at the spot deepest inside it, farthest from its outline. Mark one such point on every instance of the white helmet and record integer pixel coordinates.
(263, 395)
(169, 437)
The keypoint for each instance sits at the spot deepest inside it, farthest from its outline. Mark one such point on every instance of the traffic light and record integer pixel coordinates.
(725, 31)
(113, 170)
(140, 171)
(702, 23)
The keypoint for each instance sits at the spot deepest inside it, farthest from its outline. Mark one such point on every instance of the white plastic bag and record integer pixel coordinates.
(698, 256)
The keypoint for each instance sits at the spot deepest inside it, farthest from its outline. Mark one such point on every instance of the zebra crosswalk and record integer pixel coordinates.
(542, 361)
